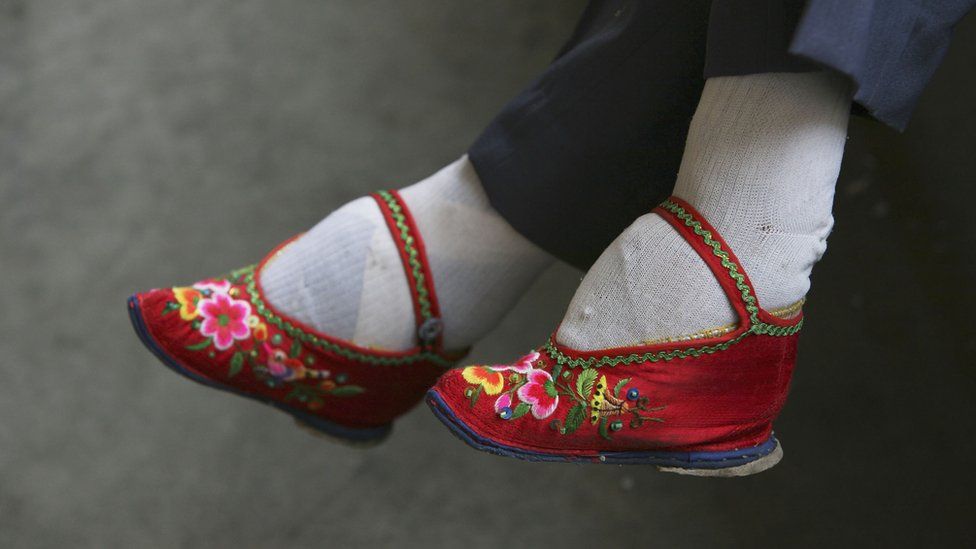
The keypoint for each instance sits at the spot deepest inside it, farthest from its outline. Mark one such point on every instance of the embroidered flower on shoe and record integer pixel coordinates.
(522, 365)
(224, 319)
(188, 299)
(214, 286)
(221, 311)
(537, 387)
(489, 380)
(540, 392)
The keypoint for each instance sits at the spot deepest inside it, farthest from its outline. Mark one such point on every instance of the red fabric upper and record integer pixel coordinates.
(714, 394)
(224, 329)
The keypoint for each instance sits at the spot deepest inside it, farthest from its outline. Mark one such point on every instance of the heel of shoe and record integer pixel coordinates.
(356, 438)
(758, 465)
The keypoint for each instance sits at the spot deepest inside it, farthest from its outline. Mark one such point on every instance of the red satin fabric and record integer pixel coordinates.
(719, 401)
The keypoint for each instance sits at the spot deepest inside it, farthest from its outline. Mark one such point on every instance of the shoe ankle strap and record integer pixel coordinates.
(413, 255)
(729, 272)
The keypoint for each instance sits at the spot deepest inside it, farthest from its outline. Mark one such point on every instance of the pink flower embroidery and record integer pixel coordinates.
(522, 365)
(224, 319)
(216, 287)
(541, 393)
(504, 401)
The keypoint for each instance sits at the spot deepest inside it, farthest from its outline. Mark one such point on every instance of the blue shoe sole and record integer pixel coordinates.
(742, 462)
(348, 435)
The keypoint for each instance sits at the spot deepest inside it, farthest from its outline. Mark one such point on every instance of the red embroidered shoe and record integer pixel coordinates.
(702, 405)
(223, 333)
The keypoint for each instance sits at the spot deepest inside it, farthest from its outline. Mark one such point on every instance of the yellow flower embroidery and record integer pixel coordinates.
(258, 329)
(188, 299)
(490, 380)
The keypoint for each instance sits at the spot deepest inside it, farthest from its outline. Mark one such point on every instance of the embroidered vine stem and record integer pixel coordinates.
(570, 392)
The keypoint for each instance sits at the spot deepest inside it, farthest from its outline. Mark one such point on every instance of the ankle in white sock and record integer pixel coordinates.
(760, 164)
(345, 278)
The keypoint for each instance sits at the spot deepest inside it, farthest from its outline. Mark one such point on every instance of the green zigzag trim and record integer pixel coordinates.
(297, 333)
(756, 326)
(413, 255)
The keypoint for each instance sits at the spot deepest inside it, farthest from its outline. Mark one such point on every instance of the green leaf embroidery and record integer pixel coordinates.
(199, 346)
(574, 418)
(584, 383)
(347, 390)
(620, 385)
(296, 349)
(475, 395)
(236, 364)
(520, 410)
(556, 370)
(603, 429)
(170, 307)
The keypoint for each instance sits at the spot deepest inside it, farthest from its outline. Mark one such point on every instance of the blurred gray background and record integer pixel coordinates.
(145, 143)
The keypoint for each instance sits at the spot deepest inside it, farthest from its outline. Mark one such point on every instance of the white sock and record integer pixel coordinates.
(760, 164)
(345, 278)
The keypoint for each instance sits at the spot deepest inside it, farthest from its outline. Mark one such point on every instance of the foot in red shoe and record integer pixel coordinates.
(702, 405)
(223, 333)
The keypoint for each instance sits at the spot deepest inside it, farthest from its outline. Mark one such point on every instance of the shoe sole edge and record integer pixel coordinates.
(703, 464)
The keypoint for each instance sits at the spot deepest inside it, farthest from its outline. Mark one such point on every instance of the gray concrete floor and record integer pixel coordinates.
(145, 143)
